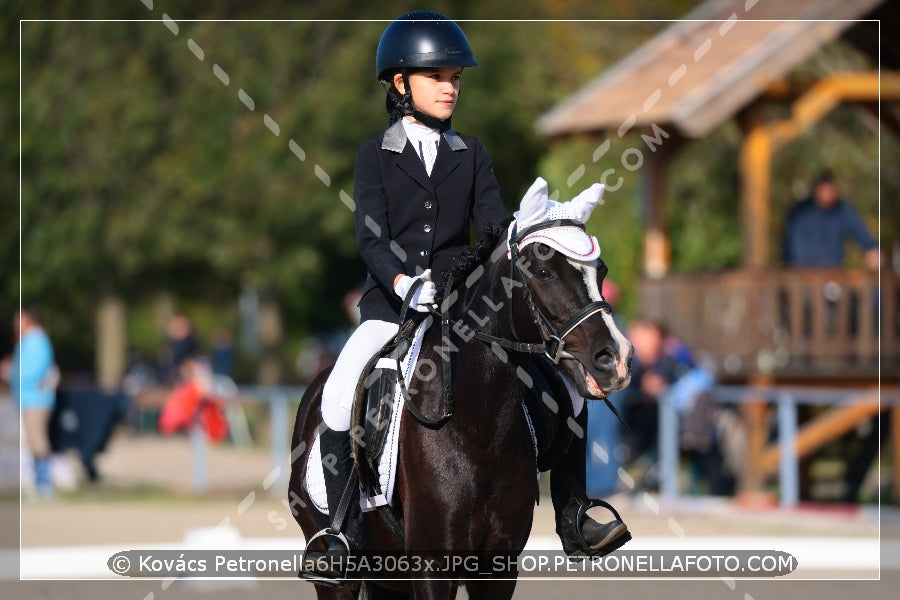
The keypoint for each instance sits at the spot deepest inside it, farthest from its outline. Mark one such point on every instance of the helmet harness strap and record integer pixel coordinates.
(407, 105)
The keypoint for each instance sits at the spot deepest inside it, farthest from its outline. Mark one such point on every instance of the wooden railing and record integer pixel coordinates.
(788, 323)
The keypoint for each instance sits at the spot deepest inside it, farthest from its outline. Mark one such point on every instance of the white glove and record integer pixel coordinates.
(424, 296)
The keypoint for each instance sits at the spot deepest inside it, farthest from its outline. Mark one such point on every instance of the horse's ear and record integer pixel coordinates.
(534, 204)
(583, 204)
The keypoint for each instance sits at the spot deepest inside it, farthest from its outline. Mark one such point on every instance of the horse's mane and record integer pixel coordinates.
(471, 258)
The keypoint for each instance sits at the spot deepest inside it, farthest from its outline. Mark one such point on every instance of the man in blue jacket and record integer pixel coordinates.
(818, 227)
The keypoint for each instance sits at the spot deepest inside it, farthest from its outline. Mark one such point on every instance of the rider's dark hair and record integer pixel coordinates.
(397, 104)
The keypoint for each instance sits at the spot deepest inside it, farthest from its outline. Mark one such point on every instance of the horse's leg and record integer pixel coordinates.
(325, 592)
(376, 592)
(483, 590)
(434, 589)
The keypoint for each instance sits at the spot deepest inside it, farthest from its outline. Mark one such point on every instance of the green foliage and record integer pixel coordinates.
(142, 172)
(704, 216)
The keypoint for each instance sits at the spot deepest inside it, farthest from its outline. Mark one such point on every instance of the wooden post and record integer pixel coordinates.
(755, 413)
(657, 256)
(112, 344)
(755, 168)
(271, 332)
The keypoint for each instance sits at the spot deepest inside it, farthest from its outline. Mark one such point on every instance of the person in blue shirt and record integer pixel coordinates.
(33, 376)
(818, 227)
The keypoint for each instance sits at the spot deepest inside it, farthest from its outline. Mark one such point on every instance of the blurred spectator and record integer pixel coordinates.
(818, 227)
(181, 345)
(703, 427)
(222, 357)
(194, 402)
(664, 367)
(336, 340)
(33, 377)
(653, 371)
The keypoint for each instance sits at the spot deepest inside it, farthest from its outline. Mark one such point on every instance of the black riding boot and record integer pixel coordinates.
(331, 563)
(579, 533)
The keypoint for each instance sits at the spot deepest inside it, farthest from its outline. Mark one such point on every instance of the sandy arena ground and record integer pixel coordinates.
(145, 497)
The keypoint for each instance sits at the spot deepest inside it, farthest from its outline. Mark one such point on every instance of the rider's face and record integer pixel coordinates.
(434, 90)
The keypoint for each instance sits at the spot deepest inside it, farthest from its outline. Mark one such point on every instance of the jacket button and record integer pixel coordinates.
(427, 228)
(428, 204)
(423, 253)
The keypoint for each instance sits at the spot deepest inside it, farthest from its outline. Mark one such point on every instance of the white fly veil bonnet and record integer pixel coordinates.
(537, 207)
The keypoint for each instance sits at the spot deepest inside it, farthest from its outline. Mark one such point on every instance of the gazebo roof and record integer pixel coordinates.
(701, 70)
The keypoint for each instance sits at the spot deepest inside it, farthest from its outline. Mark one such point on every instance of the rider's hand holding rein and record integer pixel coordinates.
(423, 298)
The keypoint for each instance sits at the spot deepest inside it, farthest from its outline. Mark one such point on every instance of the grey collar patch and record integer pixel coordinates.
(456, 143)
(395, 139)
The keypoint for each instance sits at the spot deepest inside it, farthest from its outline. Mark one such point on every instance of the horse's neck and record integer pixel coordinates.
(485, 307)
(485, 310)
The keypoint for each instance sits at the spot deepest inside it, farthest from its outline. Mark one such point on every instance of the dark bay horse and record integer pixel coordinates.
(468, 486)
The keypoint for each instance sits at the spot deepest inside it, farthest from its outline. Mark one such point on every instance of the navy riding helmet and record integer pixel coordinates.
(421, 38)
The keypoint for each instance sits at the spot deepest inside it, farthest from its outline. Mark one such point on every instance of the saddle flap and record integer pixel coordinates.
(373, 407)
(549, 405)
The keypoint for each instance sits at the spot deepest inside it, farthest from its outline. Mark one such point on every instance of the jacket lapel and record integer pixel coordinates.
(409, 161)
(411, 164)
(446, 160)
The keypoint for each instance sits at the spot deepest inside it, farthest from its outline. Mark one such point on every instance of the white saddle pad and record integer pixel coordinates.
(387, 467)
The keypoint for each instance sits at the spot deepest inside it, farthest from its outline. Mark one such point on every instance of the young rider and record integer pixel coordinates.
(404, 178)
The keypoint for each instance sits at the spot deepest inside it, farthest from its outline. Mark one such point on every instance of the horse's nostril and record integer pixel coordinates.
(604, 359)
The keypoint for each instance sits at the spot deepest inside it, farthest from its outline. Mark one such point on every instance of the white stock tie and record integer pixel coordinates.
(428, 152)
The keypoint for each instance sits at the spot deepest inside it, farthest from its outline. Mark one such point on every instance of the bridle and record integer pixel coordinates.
(552, 345)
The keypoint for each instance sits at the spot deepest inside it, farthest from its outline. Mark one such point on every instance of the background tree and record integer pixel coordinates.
(142, 172)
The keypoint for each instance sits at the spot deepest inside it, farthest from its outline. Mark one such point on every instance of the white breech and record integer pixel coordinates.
(337, 395)
(369, 337)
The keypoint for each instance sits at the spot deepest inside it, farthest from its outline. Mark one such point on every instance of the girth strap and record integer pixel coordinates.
(394, 520)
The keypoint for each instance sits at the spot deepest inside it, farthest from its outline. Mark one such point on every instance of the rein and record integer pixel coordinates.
(553, 340)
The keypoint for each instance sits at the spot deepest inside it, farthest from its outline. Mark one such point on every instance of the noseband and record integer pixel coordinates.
(554, 344)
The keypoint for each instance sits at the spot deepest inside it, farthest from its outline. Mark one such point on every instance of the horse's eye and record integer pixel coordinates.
(543, 273)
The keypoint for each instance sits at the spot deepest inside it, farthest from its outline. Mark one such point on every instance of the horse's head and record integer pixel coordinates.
(560, 268)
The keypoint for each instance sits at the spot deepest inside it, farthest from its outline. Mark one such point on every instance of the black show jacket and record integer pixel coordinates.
(406, 221)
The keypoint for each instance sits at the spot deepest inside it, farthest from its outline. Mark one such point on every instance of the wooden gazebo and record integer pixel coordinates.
(722, 61)
(761, 325)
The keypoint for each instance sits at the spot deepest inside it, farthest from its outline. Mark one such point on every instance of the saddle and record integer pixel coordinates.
(547, 404)
(374, 405)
